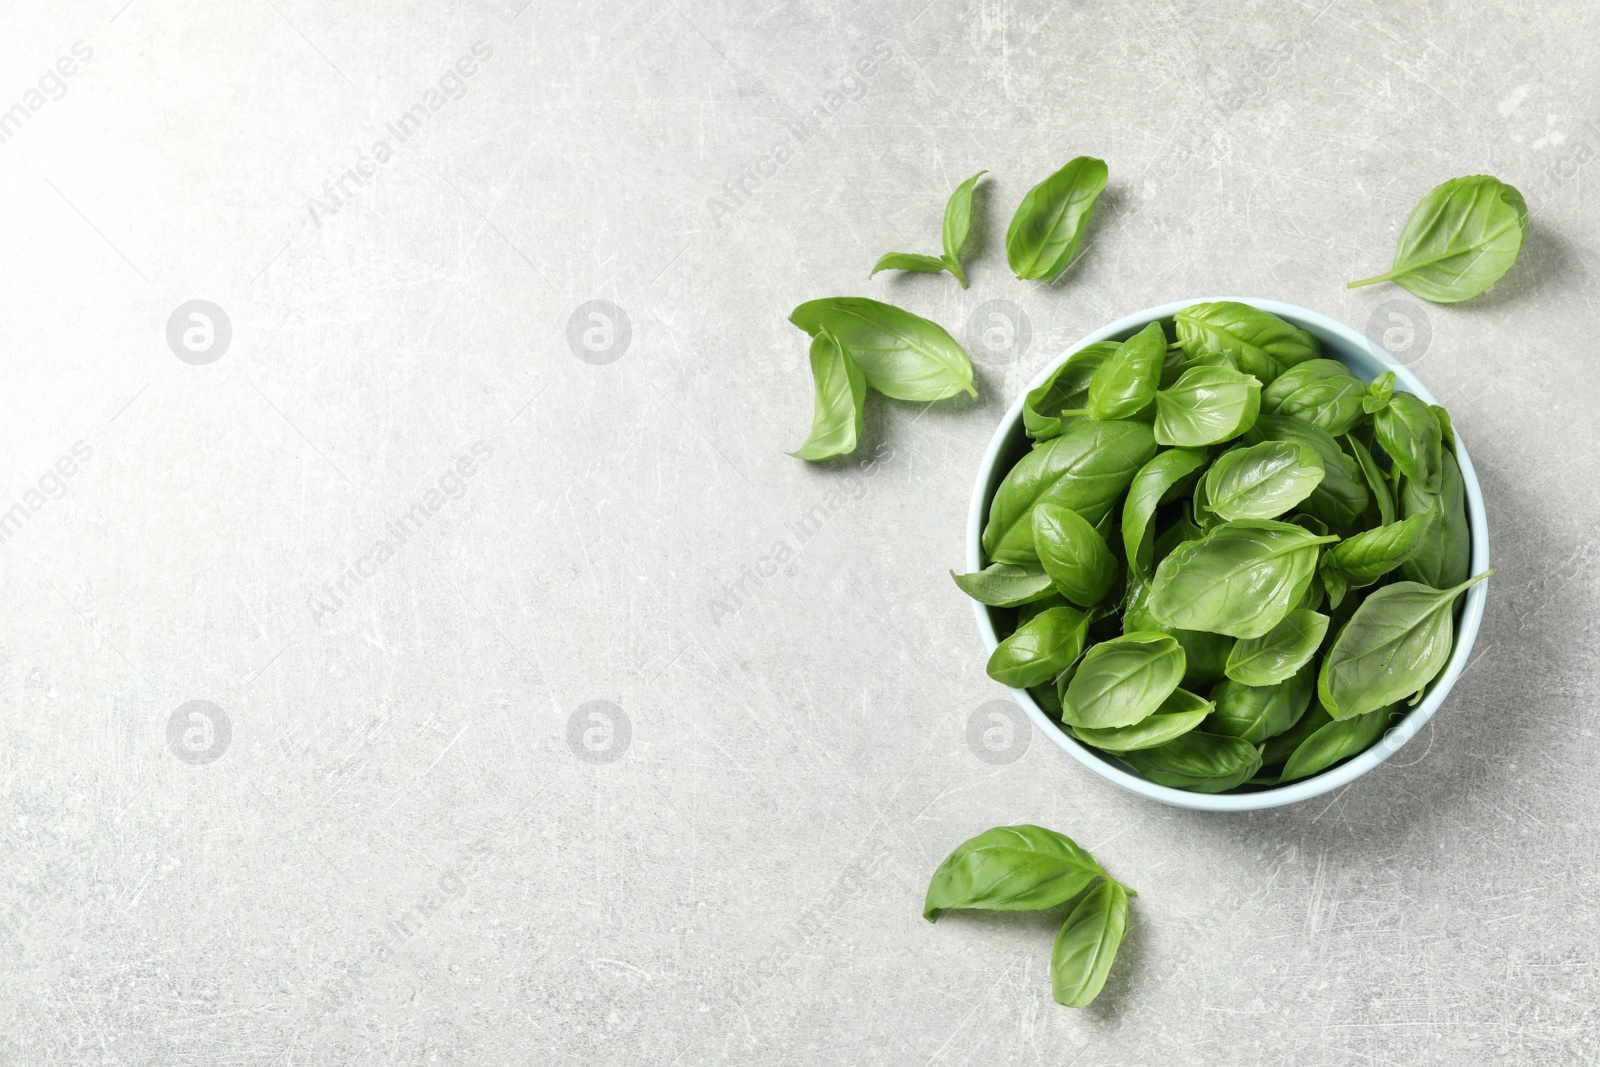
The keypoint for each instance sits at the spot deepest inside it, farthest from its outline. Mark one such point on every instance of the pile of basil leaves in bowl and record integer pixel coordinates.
(1227, 554)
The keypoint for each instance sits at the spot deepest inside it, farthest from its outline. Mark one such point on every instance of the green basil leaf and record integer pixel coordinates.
(1276, 655)
(1257, 712)
(908, 261)
(957, 221)
(1123, 680)
(1276, 750)
(1006, 585)
(1177, 715)
(1205, 655)
(1010, 868)
(1334, 741)
(1379, 390)
(1258, 341)
(1240, 579)
(1460, 239)
(841, 393)
(1153, 486)
(1049, 223)
(1073, 554)
(902, 355)
(1447, 430)
(1408, 431)
(1087, 945)
(1067, 388)
(1444, 551)
(1040, 648)
(1126, 382)
(1323, 392)
(1369, 555)
(1262, 481)
(1341, 498)
(1393, 646)
(1206, 406)
(1202, 762)
(1377, 485)
(1085, 469)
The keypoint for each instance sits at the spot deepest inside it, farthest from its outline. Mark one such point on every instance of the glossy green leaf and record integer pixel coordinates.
(1447, 430)
(1258, 342)
(1202, 762)
(1126, 382)
(1049, 223)
(1379, 390)
(1123, 680)
(1276, 655)
(1369, 555)
(1153, 486)
(1393, 646)
(1444, 551)
(1341, 498)
(1010, 868)
(1240, 579)
(1073, 554)
(841, 392)
(1206, 406)
(902, 355)
(1205, 655)
(1460, 239)
(1262, 481)
(1257, 712)
(1006, 585)
(1323, 392)
(1377, 484)
(1087, 945)
(1177, 715)
(1040, 648)
(1408, 431)
(1334, 741)
(911, 261)
(1066, 389)
(957, 221)
(1085, 469)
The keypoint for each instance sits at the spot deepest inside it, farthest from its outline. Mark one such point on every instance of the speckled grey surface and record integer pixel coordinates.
(397, 535)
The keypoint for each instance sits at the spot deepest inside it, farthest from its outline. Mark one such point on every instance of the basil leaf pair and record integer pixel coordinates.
(1067, 389)
(1049, 222)
(1181, 712)
(1459, 240)
(957, 221)
(1393, 646)
(1371, 554)
(1029, 868)
(1256, 342)
(1240, 579)
(841, 397)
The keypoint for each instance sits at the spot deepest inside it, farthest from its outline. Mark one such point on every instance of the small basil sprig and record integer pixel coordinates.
(1049, 223)
(1459, 240)
(1030, 868)
(901, 355)
(841, 393)
(1393, 646)
(1371, 554)
(957, 221)
(1444, 550)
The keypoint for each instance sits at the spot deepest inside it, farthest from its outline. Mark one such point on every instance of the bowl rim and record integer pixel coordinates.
(1398, 734)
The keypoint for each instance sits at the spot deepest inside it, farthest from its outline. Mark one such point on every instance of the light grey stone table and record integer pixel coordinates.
(547, 711)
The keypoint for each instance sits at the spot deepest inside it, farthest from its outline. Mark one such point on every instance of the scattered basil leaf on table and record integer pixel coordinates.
(1010, 868)
(901, 355)
(1276, 655)
(841, 391)
(957, 221)
(1206, 406)
(1240, 579)
(1073, 554)
(1459, 240)
(1336, 740)
(1323, 392)
(1087, 945)
(1126, 383)
(1262, 481)
(1201, 762)
(1040, 648)
(1257, 712)
(1154, 485)
(1409, 433)
(1123, 680)
(1178, 714)
(1444, 550)
(1067, 388)
(1258, 342)
(1049, 223)
(1393, 646)
(1006, 585)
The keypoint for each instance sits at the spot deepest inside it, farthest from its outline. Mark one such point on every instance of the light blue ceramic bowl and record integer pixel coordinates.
(1368, 360)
